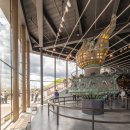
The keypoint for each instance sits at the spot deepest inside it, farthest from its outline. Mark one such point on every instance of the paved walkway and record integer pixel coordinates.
(5, 109)
(42, 122)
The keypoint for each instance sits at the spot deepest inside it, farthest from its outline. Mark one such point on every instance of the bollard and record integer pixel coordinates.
(127, 103)
(58, 100)
(64, 100)
(93, 120)
(48, 109)
(57, 115)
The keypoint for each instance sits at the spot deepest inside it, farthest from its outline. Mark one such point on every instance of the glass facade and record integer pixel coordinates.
(6, 76)
(5, 69)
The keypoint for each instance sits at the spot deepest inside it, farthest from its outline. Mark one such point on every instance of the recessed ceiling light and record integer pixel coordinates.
(54, 49)
(111, 55)
(61, 25)
(68, 3)
(63, 19)
(66, 9)
(59, 30)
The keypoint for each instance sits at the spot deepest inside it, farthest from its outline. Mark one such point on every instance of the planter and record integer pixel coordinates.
(93, 104)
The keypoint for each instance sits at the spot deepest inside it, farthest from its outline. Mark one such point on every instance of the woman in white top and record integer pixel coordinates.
(123, 94)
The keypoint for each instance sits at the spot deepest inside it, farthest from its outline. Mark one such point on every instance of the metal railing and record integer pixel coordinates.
(57, 103)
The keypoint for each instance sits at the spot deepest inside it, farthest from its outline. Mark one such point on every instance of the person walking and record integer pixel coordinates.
(5, 95)
(74, 97)
(36, 96)
(32, 96)
(56, 94)
(123, 94)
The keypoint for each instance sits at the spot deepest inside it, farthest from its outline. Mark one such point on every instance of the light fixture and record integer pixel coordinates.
(111, 55)
(61, 25)
(66, 9)
(63, 19)
(59, 30)
(54, 49)
(68, 3)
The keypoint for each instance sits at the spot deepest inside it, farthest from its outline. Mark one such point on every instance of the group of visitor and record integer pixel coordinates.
(35, 96)
(4, 97)
(75, 97)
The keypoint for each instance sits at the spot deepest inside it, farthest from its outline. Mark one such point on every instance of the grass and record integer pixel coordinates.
(58, 81)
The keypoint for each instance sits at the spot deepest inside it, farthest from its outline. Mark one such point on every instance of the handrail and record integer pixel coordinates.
(97, 121)
(80, 108)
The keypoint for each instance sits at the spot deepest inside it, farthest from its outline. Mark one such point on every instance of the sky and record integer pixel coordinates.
(48, 69)
(48, 63)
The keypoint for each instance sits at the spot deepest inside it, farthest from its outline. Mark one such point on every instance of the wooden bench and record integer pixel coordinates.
(33, 107)
(22, 123)
(26, 117)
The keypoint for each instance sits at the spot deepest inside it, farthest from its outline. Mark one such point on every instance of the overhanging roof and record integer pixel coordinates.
(52, 14)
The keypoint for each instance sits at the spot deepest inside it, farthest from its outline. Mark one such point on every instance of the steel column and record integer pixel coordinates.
(66, 73)
(41, 64)
(54, 74)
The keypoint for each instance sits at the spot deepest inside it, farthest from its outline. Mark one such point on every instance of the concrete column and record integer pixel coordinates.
(54, 74)
(23, 68)
(66, 73)
(14, 25)
(41, 64)
(28, 74)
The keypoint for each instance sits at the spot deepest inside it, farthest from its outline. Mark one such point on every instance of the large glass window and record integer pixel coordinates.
(34, 77)
(5, 70)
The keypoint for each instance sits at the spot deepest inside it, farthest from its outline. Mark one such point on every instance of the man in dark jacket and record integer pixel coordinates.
(56, 94)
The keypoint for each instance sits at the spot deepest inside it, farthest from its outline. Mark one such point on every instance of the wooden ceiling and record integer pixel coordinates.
(43, 26)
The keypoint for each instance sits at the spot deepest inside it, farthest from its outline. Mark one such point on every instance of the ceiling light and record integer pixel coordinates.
(63, 19)
(59, 30)
(66, 9)
(54, 49)
(61, 25)
(111, 55)
(68, 3)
